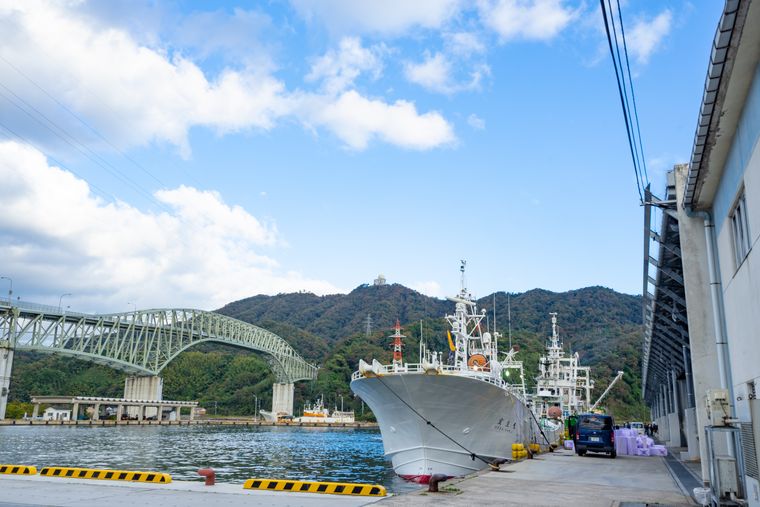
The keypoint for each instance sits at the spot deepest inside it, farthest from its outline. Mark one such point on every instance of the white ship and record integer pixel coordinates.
(450, 419)
(563, 387)
(318, 413)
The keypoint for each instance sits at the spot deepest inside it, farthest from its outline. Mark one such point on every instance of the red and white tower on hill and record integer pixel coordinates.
(397, 359)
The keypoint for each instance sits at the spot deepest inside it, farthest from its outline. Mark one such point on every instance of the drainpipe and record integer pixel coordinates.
(690, 402)
(719, 316)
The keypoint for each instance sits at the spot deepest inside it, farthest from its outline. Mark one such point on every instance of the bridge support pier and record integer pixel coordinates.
(6, 362)
(7, 346)
(147, 387)
(282, 398)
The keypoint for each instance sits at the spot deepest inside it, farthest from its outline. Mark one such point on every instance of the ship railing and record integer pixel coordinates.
(483, 376)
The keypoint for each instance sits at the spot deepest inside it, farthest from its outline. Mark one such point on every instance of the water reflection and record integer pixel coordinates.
(235, 452)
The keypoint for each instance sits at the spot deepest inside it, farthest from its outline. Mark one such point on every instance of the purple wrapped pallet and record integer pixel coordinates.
(649, 441)
(569, 445)
(642, 452)
(630, 443)
(621, 446)
(658, 450)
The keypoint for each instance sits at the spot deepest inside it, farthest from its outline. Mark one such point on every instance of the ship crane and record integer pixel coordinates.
(619, 376)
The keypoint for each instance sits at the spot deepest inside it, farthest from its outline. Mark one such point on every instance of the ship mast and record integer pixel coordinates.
(555, 349)
(469, 338)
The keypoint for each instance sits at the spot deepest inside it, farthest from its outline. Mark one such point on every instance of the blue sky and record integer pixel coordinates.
(191, 154)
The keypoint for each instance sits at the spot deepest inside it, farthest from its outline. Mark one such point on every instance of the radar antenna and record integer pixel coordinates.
(461, 269)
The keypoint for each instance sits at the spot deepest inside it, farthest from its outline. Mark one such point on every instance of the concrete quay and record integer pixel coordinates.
(560, 479)
(554, 479)
(195, 422)
(30, 491)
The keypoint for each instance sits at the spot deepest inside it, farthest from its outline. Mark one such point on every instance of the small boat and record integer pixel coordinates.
(318, 413)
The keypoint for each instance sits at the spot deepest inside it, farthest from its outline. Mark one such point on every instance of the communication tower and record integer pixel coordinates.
(397, 358)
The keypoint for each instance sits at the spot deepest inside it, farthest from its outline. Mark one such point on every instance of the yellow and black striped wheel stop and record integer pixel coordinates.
(328, 488)
(107, 475)
(18, 470)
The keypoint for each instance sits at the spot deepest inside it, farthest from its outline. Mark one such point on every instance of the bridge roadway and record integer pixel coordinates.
(141, 343)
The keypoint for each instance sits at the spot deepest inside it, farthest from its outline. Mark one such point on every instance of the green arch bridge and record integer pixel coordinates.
(142, 342)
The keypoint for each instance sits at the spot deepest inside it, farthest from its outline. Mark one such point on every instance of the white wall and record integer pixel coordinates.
(741, 284)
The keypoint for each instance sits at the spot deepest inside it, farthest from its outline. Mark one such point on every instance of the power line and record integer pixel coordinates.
(622, 92)
(81, 120)
(633, 95)
(92, 95)
(626, 84)
(77, 145)
(25, 140)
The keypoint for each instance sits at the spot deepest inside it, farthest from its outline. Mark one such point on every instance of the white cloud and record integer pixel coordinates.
(476, 122)
(464, 43)
(436, 73)
(429, 288)
(645, 37)
(338, 69)
(238, 36)
(389, 17)
(137, 95)
(433, 73)
(133, 93)
(525, 19)
(356, 120)
(56, 237)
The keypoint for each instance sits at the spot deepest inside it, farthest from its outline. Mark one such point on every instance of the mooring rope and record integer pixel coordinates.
(539, 427)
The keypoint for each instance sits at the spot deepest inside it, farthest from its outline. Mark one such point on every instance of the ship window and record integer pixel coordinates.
(740, 230)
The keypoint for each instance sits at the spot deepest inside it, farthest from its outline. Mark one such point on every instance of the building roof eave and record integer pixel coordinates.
(729, 76)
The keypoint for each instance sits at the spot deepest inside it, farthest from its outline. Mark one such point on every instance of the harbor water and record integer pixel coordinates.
(236, 453)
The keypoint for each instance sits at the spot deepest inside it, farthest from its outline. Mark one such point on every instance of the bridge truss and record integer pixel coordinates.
(142, 342)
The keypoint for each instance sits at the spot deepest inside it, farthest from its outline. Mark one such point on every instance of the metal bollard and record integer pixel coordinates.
(209, 474)
(434, 480)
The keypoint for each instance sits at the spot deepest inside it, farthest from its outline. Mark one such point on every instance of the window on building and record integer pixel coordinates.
(740, 229)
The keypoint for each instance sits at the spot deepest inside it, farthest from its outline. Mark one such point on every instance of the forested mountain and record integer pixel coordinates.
(603, 326)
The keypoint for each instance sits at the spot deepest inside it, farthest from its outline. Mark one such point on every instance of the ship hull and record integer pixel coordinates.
(472, 422)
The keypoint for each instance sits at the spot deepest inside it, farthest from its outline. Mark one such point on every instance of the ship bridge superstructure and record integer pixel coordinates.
(561, 381)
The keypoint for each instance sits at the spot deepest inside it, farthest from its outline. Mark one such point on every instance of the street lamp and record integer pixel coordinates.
(256, 407)
(10, 290)
(134, 306)
(341, 402)
(60, 299)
